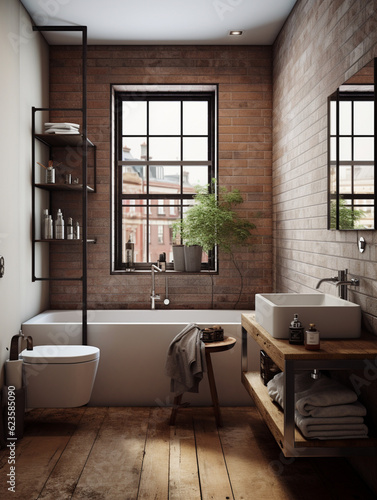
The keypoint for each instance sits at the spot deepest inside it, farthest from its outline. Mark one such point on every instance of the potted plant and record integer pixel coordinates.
(212, 222)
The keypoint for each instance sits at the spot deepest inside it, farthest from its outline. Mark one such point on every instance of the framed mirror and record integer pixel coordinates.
(352, 177)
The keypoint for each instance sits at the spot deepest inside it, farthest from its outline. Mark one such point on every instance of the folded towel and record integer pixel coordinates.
(185, 363)
(61, 131)
(322, 397)
(331, 428)
(61, 125)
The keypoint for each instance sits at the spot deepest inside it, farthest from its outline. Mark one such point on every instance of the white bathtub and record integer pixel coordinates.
(133, 346)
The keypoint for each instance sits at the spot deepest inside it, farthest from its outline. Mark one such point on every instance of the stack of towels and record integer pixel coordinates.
(324, 408)
(62, 128)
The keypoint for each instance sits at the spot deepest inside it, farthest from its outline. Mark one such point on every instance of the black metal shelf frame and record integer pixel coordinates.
(84, 148)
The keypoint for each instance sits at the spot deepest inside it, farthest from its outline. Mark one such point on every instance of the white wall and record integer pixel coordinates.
(23, 83)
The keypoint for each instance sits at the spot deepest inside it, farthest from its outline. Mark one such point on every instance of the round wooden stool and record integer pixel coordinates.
(210, 347)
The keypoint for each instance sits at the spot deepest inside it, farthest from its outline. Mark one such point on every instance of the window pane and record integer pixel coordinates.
(164, 118)
(165, 180)
(134, 226)
(134, 179)
(194, 176)
(195, 118)
(333, 179)
(134, 148)
(345, 179)
(345, 118)
(134, 115)
(195, 148)
(364, 148)
(364, 118)
(332, 149)
(165, 148)
(364, 179)
(345, 148)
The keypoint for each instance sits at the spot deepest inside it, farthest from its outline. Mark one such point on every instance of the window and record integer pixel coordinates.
(351, 159)
(164, 146)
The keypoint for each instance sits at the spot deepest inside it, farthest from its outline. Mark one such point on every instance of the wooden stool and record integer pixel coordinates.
(210, 347)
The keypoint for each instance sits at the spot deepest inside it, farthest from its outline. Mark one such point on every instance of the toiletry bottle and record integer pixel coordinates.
(59, 226)
(162, 261)
(77, 231)
(312, 341)
(45, 224)
(130, 254)
(70, 229)
(50, 174)
(296, 332)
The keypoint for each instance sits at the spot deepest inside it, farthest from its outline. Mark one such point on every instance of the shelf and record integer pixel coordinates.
(63, 187)
(70, 242)
(62, 140)
(274, 418)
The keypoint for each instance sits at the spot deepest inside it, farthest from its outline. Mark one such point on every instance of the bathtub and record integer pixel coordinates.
(133, 346)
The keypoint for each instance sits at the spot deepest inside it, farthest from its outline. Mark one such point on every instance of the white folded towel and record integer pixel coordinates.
(61, 131)
(61, 125)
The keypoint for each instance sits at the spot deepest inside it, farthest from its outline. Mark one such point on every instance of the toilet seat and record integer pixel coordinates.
(60, 354)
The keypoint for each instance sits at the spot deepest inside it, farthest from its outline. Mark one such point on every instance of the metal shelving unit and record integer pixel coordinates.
(82, 143)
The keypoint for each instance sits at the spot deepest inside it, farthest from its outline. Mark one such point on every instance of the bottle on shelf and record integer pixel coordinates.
(77, 231)
(59, 226)
(70, 229)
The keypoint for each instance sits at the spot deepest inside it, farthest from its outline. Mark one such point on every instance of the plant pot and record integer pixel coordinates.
(193, 258)
(179, 258)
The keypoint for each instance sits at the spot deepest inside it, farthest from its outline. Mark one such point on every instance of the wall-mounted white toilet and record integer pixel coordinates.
(59, 376)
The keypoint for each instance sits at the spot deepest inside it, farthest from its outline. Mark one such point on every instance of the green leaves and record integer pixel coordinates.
(212, 221)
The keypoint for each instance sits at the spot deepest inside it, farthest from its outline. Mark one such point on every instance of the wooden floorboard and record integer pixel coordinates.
(133, 454)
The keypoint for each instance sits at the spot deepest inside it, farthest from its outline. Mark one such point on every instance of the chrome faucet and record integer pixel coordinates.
(154, 297)
(341, 283)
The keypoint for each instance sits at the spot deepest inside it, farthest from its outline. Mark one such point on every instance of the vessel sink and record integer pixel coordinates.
(335, 318)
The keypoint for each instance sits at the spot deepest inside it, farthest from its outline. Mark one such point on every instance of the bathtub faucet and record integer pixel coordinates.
(154, 297)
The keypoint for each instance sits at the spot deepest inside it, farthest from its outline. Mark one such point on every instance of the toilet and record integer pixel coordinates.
(59, 376)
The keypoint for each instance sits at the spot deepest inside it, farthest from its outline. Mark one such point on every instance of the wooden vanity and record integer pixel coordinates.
(333, 355)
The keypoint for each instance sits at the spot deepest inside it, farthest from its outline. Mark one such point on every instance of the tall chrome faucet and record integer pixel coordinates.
(341, 283)
(154, 297)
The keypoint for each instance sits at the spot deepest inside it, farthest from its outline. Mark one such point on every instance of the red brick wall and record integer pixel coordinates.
(244, 76)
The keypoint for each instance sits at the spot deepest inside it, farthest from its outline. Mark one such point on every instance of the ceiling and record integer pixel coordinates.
(149, 22)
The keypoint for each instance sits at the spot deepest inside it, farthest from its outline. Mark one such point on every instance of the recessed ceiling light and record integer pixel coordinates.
(235, 32)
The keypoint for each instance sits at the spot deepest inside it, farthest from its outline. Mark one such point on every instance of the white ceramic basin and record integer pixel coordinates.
(334, 318)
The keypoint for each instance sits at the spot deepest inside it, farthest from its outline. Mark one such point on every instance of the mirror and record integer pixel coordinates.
(351, 153)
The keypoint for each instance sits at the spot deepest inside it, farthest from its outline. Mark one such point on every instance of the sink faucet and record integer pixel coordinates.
(341, 283)
(154, 297)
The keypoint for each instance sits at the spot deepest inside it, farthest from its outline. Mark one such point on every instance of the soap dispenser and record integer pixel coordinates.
(312, 341)
(296, 331)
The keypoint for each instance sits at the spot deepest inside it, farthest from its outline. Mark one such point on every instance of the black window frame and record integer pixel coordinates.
(119, 96)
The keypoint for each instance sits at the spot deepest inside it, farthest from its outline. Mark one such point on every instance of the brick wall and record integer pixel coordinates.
(323, 44)
(244, 76)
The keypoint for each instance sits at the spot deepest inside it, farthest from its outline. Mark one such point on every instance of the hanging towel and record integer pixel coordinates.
(185, 363)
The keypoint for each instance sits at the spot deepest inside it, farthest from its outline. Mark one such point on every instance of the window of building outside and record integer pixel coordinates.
(164, 142)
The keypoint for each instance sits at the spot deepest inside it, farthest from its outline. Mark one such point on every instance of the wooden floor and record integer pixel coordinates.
(132, 453)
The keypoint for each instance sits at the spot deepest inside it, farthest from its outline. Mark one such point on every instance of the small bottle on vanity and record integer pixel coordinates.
(312, 339)
(296, 331)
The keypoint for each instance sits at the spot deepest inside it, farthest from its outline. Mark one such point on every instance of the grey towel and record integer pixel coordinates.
(324, 397)
(331, 428)
(185, 363)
